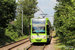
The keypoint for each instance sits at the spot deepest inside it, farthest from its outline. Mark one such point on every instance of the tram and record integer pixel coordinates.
(40, 30)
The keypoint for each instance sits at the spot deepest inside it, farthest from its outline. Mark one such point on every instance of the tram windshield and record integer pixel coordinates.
(38, 25)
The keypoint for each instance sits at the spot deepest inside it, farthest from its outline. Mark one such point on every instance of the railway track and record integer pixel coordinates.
(13, 45)
(24, 44)
(37, 46)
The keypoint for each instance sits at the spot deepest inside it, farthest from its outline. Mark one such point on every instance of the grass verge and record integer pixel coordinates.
(20, 38)
(14, 40)
(61, 46)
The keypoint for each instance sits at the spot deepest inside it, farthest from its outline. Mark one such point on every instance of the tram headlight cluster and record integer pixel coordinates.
(44, 36)
(32, 37)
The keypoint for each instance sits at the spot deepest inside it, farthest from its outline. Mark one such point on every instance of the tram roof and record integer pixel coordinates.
(40, 18)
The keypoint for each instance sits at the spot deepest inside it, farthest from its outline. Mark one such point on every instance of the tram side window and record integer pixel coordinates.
(49, 25)
(29, 26)
(47, 29)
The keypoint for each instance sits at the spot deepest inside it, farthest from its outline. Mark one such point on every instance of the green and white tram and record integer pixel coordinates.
(40, 30)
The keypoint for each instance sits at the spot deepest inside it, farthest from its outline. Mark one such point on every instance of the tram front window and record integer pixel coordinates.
(38, 26)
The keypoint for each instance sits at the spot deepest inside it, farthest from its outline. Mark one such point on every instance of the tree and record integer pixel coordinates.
(64, 21)
(29, 8)
(7, 9)
(7, 14)
(52, 28)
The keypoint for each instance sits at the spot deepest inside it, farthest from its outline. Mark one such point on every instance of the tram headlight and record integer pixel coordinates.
(32, 37)
(44, 36)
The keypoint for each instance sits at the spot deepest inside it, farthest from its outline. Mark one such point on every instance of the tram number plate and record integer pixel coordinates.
(38, 36)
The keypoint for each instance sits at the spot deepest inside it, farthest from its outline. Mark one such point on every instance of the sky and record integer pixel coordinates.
(47, 7)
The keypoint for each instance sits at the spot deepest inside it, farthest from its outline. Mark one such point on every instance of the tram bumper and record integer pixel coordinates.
(38, 40)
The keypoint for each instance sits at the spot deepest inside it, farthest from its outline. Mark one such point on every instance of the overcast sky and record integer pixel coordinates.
(47, 7)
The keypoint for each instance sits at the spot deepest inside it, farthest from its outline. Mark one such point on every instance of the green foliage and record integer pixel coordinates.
(64, 22)
(52, 28)
(29, 8)
(18, 25)
(1, 31)
(10, 32)
(13, 32)
(21, 37)
(6, 12)
(4, 38)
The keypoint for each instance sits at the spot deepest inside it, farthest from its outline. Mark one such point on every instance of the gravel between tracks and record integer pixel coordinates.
(23, 46)
(36, 48)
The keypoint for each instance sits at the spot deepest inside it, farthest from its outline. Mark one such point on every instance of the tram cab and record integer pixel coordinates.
(40, 30)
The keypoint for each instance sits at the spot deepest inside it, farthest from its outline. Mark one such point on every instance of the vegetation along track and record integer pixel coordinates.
(14, 44)
(37, 46)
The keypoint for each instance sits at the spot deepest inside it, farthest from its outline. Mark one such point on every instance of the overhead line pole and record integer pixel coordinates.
(22, 20)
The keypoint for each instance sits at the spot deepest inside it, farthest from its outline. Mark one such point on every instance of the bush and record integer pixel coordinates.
(18, 25)
(64, 22)
(11, 32)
